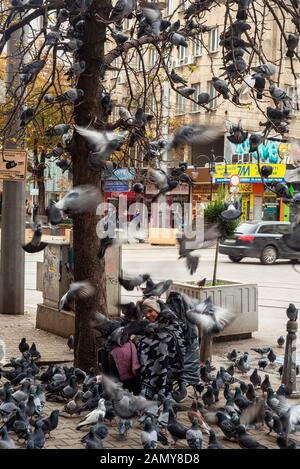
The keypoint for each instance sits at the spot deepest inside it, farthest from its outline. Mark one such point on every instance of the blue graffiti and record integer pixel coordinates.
(268, 152)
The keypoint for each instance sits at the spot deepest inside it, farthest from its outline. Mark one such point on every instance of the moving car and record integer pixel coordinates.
(260, 240)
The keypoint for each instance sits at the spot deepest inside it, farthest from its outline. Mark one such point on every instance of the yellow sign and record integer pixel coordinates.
(246, 188)
(13, 165)
(248, 173)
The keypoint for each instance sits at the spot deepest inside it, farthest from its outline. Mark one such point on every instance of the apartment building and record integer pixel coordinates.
(198, 64)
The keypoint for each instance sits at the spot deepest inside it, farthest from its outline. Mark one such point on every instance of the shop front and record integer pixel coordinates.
(163, 218)
(259, 203)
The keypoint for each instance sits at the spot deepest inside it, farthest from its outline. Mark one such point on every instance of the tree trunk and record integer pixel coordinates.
(42, 196)
(86, 241)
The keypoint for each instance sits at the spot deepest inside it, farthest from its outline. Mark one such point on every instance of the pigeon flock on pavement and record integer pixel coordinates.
(228, 403)
(236, 404)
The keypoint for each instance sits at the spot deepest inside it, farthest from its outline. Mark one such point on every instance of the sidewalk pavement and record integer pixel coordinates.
(53, 348)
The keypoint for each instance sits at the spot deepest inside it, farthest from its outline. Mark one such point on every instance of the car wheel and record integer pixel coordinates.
(269, 256)
(236, 260)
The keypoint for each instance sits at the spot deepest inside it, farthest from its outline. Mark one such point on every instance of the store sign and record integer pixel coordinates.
(116, 186)
(123, 174)
(13, 165)
(182, 189)
(270, 152)
(246, 188)
(248, 173)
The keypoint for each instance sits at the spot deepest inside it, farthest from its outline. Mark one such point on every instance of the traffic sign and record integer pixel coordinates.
(235, 180)
(13, 165)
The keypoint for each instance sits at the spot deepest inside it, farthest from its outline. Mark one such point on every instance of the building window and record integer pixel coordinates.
(171, 8)
(198, 48)
(213, 95)
(292, 92)
(195, 107)
(182, 54)
(214, 40)
(127, 24)
(153, 57)
(180, 104)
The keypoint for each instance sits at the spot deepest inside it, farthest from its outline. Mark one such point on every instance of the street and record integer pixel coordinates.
(278, 284)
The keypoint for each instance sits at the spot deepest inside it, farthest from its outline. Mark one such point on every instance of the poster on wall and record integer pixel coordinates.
(271, 152)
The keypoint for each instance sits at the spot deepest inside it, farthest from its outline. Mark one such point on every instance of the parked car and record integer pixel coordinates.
(260, 240)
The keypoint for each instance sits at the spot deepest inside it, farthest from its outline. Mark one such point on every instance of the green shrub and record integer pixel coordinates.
(213, 212)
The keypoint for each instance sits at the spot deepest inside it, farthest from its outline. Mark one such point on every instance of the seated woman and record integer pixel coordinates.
(119, 359)
(161, 350)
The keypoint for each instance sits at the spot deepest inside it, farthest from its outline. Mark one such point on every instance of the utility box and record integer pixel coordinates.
(54, 284)
(53, 279)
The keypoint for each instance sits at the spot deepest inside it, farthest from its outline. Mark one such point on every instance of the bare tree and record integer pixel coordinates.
(69, 35)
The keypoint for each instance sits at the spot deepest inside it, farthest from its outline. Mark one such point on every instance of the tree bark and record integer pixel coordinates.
(86, 241)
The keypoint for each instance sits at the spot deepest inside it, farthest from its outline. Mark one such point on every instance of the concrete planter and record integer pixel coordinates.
(232, 295)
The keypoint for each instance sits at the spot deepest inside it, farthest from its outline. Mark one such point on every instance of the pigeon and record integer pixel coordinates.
(213, 442)
(177, 39)
(237, 135)
(281, 341)
(208, 398)
(93, 417)
(101, 430)
(126, 405)
(29, 72)
(103, 144)
(35, 354)
(27, 116)
(232, 211)
(176, 429)
(211, 318)
(227, 426)
(203, 99)
(266, 70)
(255, 379)
(272, 357)
(153, 15)
(78, 290)
(242, 365)
(36, 439)
(35, 245)
(79, 200)
(221, 87)
(132, 283)
(53, 36)
(292, 44)
(5, 441)
(246, 442)
(194, 436)
(177, 79)
(286, 444)
(232, 356)
(123, 9)
(92, 441)
(58, 130)
(262, 351)
(123, 428)
(23, 346)
(156, 290)
(71, 96)
(292, 313)
(186, 91)
(255, 140)
(263, 363)
(149, 436)
(71, 343)
(193, 135)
